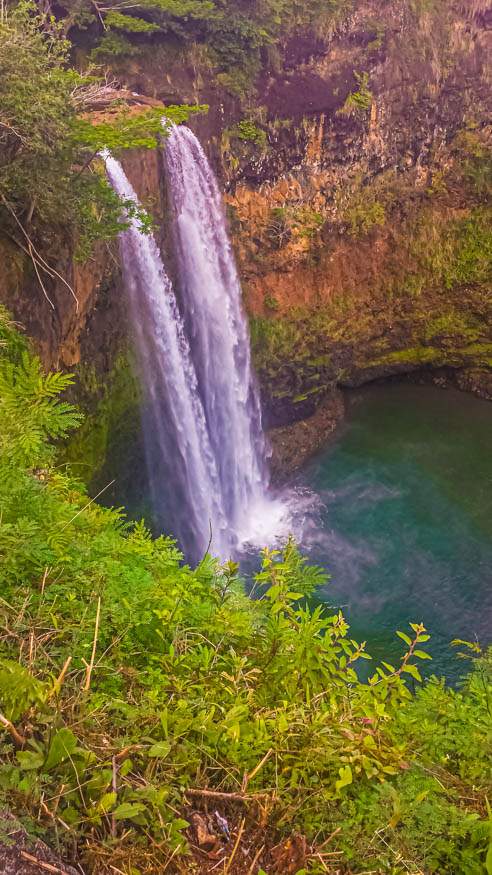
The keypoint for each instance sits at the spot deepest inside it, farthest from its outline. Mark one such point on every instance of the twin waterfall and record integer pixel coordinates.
(202, 424)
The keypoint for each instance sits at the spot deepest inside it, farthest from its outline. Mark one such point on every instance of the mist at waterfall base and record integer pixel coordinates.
(404, 520)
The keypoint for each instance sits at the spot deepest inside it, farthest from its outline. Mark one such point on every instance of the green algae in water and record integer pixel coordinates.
(406, 524)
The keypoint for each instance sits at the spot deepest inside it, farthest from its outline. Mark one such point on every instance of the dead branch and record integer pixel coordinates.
(61, 677)
(48, 867)
(249, 776)
(236, 845)
(87, 505)
(255, 860)
(232, 797)
(100, 95)
(37, 259)
(9, 726)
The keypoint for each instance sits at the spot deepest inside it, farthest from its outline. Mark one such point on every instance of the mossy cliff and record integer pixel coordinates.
(355, 159)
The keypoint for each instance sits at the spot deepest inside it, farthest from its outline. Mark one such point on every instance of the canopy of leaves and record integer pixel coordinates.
(46, 148)
(234, 32)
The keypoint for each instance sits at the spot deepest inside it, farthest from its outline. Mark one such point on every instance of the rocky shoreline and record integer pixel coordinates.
(293, 444)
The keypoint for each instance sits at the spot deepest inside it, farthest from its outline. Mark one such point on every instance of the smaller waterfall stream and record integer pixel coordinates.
(202, 424)
(181, 465)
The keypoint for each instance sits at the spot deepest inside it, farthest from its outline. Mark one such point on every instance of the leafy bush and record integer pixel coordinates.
(291, 222)
(364, 215)
(235, 36)
(248, 131)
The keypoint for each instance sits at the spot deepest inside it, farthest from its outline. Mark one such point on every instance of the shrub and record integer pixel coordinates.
(358, 102)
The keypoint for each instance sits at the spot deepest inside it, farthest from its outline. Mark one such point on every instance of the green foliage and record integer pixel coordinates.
(129, 23)
(113, 46)
(287, 352)
(458, 253)
(291, 222)
(128, 131)
(19, 690)
(271, 302)
(362, 216)
(167, 16)
(31, 412)
(102, 449)
(35, 112)
(358, 102)
(235, 37)
(137, 677)
(250, 133)
(432, 286)
(474, 164)
(47, 147)
(455, 326)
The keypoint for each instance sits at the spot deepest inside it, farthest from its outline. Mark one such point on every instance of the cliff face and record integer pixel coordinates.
(356, 183)
(363, 227)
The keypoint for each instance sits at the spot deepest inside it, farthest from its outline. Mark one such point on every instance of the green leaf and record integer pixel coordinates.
(390, 667)
(126, 767)
(404, 637)
(421, 654)
(29, 759)
(61, 748)
(161, 749)
(106, 803)
(488, 860)
(129, 23)
(412, 670)
(128, 810)
(345, 778)
(179, 823)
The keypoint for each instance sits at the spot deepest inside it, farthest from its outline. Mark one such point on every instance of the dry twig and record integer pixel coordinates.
(232, 797)
(236, 845)
(9, 726)
(94, 645)
(48, 867)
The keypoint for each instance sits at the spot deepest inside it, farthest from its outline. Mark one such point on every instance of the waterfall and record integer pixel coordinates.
(204, 442)
(210, 299)
(183, 476)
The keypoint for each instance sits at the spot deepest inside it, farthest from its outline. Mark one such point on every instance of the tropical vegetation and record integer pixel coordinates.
(134, 690)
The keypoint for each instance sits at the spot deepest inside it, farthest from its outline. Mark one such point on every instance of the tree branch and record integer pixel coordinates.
(9, 726)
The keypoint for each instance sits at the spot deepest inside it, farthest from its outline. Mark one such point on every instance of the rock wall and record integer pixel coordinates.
(364, 245)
